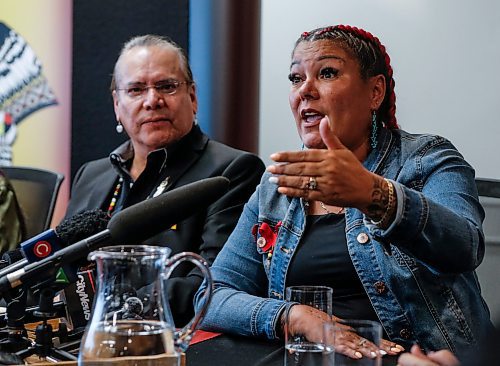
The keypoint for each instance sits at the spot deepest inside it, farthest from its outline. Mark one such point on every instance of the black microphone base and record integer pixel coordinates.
(44, 347)
(13, 344)
(7, 358)
(54, 353)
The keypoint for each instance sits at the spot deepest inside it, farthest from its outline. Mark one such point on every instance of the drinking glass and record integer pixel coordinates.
(361, 333)
(298, 350)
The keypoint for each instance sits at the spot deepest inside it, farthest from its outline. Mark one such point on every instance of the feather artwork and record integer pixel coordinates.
(23, 88)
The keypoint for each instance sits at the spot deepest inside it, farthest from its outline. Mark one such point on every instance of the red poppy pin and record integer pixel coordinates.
(266, 240)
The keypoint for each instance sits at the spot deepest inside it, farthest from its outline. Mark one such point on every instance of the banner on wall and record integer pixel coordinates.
(35, 88)
(24, 88)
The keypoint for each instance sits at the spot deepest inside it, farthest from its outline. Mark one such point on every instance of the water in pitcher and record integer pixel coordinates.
(129, 343)
(308, 354)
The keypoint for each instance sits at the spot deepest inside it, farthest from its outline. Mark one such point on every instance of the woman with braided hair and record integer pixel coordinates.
(390, 220)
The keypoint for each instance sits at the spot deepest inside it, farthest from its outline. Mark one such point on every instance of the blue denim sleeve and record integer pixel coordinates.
(240, 304)
(438, 217)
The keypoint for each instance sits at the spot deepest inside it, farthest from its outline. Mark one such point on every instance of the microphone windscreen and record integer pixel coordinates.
(81, 226)
(152, 216)
(133, 308)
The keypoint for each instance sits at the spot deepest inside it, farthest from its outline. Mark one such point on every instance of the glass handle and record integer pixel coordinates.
(183, 336)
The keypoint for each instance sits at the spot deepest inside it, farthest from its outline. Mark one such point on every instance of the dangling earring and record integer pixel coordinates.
(119, 127)
(373, 136)
(195, 121)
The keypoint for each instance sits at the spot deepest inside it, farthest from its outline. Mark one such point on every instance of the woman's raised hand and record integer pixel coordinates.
(340, 178)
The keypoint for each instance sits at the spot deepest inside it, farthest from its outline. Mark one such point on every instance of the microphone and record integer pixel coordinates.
(42, 245)
(132, 309)
(127, 227)
(45, 244)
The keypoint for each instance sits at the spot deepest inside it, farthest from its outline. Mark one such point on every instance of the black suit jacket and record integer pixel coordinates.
(205, 232)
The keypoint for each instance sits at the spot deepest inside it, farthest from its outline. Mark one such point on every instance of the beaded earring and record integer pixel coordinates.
(119, 127)
(374, 133)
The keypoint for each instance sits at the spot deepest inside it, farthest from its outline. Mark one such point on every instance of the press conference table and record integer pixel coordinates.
(229, 350)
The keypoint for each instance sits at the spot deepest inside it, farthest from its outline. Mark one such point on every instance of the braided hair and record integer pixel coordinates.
(372, 58)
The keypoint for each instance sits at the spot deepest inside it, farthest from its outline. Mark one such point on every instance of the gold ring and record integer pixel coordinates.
(312, 184)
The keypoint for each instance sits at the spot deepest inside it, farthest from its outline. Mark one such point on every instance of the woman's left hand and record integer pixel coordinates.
(341, 179)
(352, 345)
(308, 321)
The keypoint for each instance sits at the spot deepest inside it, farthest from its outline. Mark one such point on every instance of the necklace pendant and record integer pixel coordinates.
(341, 209)
(161, 187)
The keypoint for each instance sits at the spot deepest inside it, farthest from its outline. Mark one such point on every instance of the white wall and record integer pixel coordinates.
(446, 60)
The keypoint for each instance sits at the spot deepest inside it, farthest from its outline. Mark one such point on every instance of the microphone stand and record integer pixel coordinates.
(43, 346)
(15, 337)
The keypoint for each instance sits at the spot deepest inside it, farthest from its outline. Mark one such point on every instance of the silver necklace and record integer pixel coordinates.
(328, 211)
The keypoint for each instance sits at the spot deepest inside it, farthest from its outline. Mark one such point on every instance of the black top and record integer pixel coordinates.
(322, 259)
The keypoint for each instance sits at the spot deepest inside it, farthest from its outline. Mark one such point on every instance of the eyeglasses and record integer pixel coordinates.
(164, 88)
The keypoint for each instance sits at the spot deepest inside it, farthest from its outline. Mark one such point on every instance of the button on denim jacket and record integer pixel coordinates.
(418, 274)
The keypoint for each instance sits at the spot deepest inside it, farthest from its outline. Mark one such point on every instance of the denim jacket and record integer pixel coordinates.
(418, 274)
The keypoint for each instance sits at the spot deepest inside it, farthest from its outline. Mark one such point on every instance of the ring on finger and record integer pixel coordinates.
(312, 185)
(361, 342)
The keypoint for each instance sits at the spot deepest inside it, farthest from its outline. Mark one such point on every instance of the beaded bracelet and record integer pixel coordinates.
(390, 206)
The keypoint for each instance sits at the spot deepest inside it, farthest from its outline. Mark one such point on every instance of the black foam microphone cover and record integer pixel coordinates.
(82, 225)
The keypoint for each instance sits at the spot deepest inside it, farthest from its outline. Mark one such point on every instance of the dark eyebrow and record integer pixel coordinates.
(326, 57)
(320, 58)
(169, 80)
(163, 81)
(135, 83)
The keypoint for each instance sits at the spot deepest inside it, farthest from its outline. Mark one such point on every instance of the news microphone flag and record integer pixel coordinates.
(41, 246)
(79, 297)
